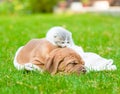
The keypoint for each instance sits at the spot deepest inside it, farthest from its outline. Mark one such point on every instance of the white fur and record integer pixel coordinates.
(27, 66)
(94, 62)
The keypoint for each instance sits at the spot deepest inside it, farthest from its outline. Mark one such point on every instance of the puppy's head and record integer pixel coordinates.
(72, 64)
(64, 60)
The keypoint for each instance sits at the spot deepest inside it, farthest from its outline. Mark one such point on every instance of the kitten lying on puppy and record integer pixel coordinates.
(59, 36)
(40, 54)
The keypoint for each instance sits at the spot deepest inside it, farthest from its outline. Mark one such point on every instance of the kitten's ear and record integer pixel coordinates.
(71, 39)
(70, 33)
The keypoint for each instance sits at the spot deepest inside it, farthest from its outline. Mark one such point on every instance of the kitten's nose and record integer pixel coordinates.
(64, 46)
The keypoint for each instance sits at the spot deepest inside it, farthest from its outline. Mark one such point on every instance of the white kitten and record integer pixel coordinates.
(59, 36)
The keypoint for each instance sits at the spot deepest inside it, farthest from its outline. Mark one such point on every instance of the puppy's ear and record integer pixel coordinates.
(52, 63)
(49, 63)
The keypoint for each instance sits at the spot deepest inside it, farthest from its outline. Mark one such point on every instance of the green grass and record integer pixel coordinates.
(95, 33)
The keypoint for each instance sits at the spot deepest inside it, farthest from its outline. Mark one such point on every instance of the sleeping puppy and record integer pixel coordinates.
(40, 54)
(64, 60)
(32, 56)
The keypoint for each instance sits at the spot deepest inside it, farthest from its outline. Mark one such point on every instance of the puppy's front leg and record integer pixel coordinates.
(36, 64)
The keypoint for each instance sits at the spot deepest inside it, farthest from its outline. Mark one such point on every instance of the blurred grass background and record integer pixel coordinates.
(20, 22)
(97, 33)
(21, 7)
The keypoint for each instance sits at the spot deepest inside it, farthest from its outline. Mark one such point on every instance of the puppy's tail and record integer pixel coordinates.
(28, 66)
(16, 64)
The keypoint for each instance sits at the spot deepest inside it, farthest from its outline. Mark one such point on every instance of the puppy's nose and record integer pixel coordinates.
(81, 70)
(84, 70)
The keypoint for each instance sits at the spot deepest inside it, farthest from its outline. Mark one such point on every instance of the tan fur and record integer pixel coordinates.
(48, 57)
(35, 52)
(64, 60)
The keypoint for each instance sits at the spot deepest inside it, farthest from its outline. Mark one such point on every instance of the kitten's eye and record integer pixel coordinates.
(62, 42)
(68, 42)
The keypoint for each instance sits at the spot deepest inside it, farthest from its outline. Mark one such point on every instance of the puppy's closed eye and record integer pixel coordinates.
(74, 62)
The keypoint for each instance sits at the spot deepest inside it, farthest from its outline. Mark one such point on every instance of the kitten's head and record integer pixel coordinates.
(59, 37)
(62, 39)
